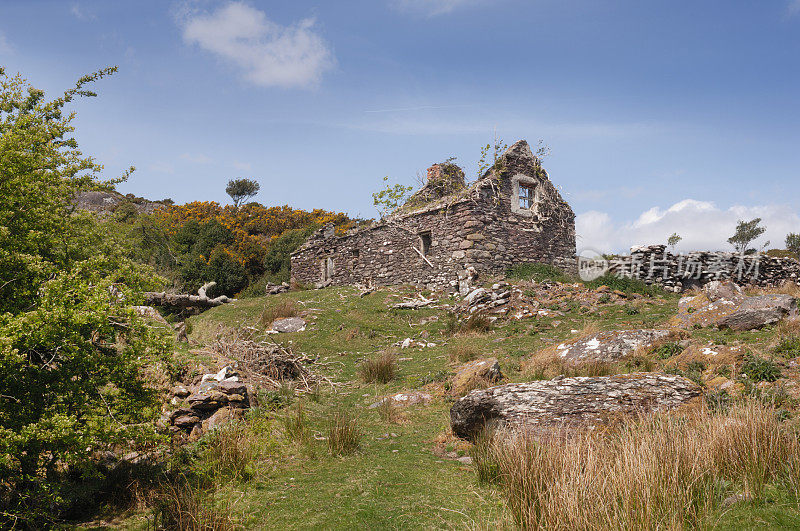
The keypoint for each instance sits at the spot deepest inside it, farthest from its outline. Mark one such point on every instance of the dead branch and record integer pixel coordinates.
(201, 300)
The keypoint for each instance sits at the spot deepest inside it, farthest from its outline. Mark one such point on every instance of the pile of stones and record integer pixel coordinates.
(501, 300)
(215, 400)
(275, 289)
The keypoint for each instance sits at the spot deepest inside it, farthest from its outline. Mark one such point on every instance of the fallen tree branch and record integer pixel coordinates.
(201, 300)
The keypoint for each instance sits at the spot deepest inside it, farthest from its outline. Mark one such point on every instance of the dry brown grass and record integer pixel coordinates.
(352, 334)
(284, 308)
(546, 364)
(462, 352)
(184, 505)
(657, 472)
(787, 288)
(389, 411)
(382, 368)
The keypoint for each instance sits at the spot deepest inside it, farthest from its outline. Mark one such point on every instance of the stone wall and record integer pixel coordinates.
(475, 231)
(655, 265)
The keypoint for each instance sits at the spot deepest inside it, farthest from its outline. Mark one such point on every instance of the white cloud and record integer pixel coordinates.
(197, 158)
(242, 166)
(270, 55)
(794, 7)
(431, 7)
(5, 46)
(702, 224)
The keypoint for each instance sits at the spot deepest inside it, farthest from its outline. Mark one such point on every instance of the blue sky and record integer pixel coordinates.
(660, 116)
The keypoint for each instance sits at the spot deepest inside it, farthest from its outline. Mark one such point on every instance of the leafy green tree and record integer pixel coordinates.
(793, 243)
(241, 190)
(71, 345)
(390, 198)
(746, 233)
(674, 240)
(41, 168)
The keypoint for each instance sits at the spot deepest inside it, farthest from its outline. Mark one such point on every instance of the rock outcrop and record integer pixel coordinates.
(608, 346)
(724, 305)
(570, 403)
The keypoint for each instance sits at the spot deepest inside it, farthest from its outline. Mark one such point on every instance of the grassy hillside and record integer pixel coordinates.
(405, 472)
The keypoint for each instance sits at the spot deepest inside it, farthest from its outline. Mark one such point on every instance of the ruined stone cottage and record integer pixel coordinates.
(448, 233)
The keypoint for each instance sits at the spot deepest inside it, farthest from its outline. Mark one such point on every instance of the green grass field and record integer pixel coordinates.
(404, 474)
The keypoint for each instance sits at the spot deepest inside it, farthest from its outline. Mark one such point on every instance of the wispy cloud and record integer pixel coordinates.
(81, 12)
(197, 158)
(242, 166)
(702, 224)
(432, 7)
(5, 46)
(268, 54)
(794, 7)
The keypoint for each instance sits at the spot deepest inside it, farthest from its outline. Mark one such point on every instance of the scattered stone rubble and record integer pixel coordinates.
(404, 399)
(570, 403)
(533, 299)
(723, 304)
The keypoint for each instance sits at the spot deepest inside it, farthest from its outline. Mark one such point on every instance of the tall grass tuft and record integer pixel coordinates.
(295, 424)
(284, 308)
(382, 368)
(344, 435)
(656, 472)
(186, 506)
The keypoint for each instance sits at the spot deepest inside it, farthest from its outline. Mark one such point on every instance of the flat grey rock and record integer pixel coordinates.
(289, 324)
(569, 403)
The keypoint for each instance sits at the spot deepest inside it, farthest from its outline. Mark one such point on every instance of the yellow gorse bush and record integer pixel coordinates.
(253, 225)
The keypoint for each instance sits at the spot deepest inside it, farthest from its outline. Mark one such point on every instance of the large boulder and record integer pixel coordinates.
(608, 346)
(724, 305)
(570, 403)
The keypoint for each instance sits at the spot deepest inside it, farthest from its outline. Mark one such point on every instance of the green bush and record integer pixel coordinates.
(788, 347)
(72, 348)
(667, 350)
(759, 369)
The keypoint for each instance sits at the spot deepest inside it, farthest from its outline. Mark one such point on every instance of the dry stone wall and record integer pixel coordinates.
(655, 265)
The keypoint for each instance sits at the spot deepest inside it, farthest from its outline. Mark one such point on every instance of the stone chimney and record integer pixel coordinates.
(447, 176)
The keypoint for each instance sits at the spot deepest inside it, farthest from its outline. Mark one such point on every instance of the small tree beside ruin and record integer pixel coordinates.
(241, 190)
(674, 240)
(746, 233)
(793, 243)
(390, 198)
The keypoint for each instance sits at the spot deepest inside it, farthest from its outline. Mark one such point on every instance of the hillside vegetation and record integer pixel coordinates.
(402, 468)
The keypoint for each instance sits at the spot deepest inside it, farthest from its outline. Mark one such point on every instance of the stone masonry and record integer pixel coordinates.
(655, 265)
(449, 233)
